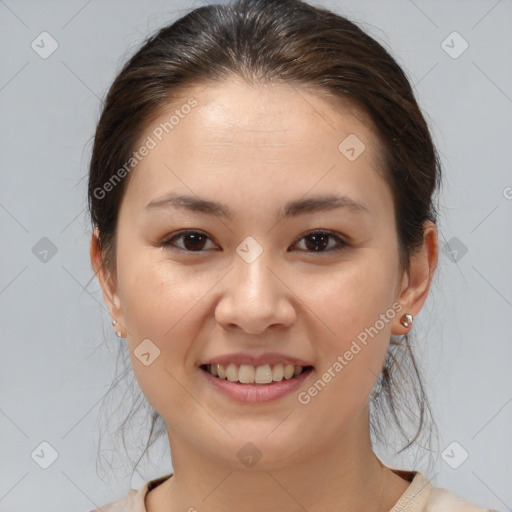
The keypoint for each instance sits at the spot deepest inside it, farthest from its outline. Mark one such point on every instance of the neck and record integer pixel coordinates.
(345, 475)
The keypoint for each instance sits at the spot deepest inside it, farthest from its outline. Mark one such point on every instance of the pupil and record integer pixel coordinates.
(196, 239)
(320, 239)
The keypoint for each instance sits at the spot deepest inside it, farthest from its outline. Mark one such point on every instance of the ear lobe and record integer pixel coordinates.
(416, 282)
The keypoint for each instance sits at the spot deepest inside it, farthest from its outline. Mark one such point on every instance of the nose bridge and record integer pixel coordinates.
(253, 297)
(253, 281)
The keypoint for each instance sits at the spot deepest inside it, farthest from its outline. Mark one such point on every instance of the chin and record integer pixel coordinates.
(260, 452)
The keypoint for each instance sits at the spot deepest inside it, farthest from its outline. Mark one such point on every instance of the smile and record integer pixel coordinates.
(260, 386)
(249, 374)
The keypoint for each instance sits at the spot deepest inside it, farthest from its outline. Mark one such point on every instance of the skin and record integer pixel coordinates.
(253, 148)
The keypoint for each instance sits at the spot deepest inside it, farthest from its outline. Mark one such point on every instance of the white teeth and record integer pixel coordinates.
(288, 371)
(277, 372)
(232, 372)
(249, 374)
(246, 373)
(263, 374)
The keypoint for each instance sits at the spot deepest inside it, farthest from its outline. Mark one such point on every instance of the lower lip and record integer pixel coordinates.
(256, 393)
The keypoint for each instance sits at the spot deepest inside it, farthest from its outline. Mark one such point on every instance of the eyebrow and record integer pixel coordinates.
(290, 209)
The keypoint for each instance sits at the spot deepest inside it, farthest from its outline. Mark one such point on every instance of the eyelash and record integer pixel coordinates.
(342, 244)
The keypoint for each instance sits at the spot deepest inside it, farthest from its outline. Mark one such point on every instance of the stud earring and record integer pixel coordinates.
(114, 323)
(406, 320)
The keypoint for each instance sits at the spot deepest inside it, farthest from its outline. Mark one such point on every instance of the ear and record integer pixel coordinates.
(416, 282)
(108, 283)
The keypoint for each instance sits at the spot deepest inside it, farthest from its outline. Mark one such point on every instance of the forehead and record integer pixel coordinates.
(234, 107)
(275, 137)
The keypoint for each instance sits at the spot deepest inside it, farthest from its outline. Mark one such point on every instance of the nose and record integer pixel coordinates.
(255, 297)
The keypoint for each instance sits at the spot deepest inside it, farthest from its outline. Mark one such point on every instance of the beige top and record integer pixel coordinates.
(420, 496)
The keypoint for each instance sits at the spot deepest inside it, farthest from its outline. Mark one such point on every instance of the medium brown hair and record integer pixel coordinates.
(283, 41)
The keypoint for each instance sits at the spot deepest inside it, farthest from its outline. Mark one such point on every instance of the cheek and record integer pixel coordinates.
(351, 299)
(355, 312)
(160, 305)
(166, 305)
(351, 349)
(158, 296)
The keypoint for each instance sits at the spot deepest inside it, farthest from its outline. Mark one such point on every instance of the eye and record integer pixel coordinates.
(193, 241)
(315, 241)
(318, 241)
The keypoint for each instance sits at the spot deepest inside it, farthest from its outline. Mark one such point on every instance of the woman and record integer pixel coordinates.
(262, 194)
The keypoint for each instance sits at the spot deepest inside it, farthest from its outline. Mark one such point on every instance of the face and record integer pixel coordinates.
(273, 271)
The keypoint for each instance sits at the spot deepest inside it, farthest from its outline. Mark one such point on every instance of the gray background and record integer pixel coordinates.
(58, 350)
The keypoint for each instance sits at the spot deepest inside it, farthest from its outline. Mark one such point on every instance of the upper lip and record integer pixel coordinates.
(270, 358)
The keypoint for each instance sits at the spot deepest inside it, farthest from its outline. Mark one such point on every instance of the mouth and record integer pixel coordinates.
(261, 375)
